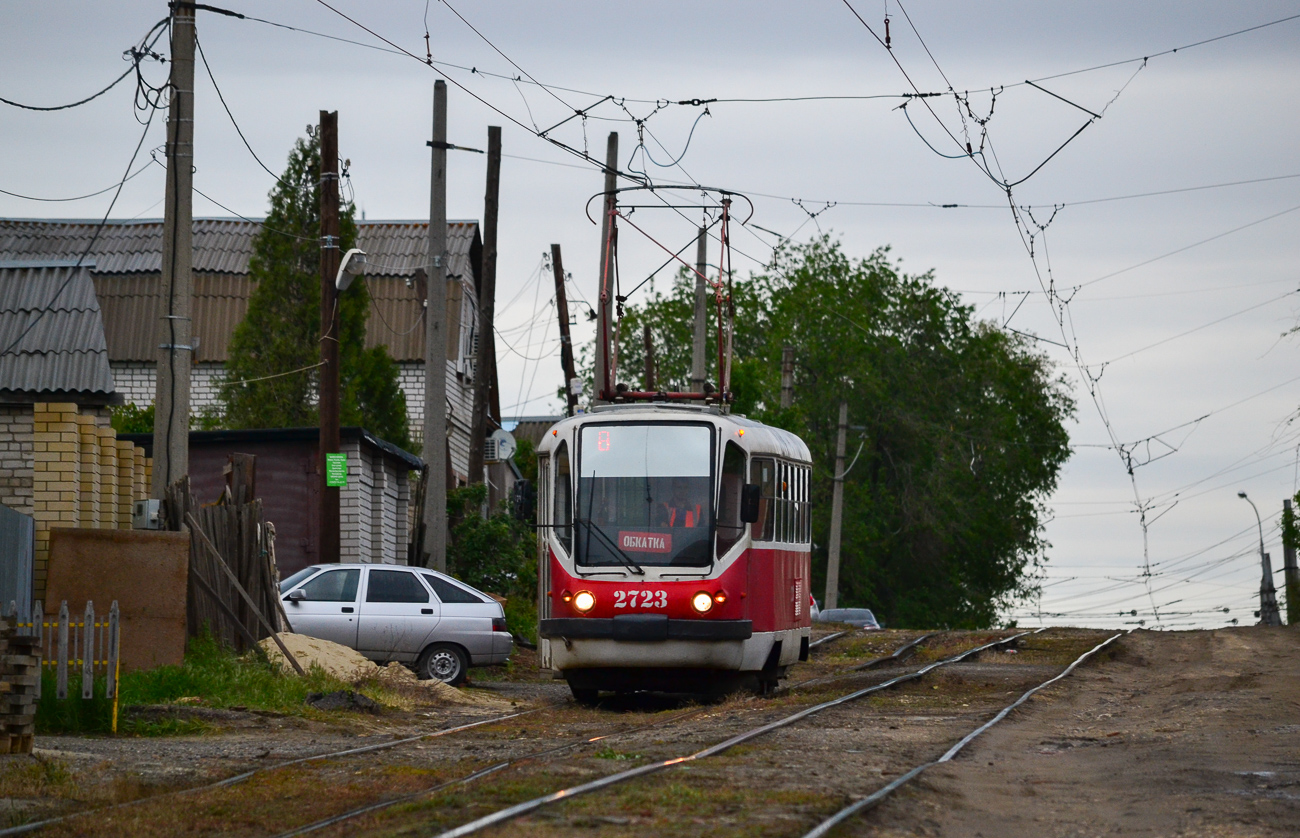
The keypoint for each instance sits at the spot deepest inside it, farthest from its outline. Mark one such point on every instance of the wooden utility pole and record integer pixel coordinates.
(837, 512)
(566, 343)
(699, 365)
(329, 327)
(1291, 577)
(787, 376)
(649, 358)
(483, 359)
(604, 374)
(434, 513)
(171, 430)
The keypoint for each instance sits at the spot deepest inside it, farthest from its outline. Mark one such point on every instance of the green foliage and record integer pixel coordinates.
(130, 418)
(494, 553)
(210, 672)
(526, 459)
(1290, 529)
(957, 426)
(280, 331)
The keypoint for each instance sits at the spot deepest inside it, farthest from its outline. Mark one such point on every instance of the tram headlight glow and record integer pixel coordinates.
(584, 601)
(702, 602)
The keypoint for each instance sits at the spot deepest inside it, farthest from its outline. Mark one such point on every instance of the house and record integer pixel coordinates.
(60, 461)
(374, 506)
(124, 262)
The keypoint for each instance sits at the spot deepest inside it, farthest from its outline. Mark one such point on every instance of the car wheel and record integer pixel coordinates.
(443, 662)
(585, 697)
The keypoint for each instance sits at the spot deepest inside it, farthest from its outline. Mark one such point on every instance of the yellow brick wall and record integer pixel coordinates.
(83, 476)
(89, 477)
(125, 483)
(107, 478)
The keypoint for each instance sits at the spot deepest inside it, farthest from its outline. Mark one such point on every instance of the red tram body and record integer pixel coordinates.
(673, 550)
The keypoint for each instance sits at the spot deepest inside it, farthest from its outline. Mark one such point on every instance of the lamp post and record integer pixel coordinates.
(1268, 613)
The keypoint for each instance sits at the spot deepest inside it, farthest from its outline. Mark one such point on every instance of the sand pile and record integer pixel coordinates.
(353, 667)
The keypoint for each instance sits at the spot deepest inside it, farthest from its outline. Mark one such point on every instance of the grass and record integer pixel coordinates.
(211, 676)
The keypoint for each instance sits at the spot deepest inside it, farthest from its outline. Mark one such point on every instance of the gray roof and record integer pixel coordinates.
(221, 245)
(126, 263)
(52, 334)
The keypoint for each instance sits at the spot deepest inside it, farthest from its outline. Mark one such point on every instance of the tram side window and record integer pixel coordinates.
(730, 527)
(763, 472)
(563, 519)
(805, 507)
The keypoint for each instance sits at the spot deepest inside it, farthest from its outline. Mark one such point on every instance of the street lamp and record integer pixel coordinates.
(1268, 613)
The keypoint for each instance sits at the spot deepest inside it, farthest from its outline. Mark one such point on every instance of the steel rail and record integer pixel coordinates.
(527, 806)
(492, 769)
(482, 772)
(827, 639)
(880, 794)
(897, 655)
(239, 778)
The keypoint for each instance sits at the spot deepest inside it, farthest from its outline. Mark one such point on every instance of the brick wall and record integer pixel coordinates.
(81, 474)
(136, 381)
(16, 457)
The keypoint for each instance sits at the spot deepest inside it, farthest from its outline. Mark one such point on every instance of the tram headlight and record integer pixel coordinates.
(584, 601)
(702, 602)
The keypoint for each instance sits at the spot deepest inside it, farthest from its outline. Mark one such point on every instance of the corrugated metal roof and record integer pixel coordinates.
(221, 245)
(127, 260)
(51, 333)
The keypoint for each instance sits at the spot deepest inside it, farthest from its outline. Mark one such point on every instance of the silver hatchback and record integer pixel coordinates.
(422, 618)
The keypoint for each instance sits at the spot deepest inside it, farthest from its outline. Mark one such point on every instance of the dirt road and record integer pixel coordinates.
(1182, 733)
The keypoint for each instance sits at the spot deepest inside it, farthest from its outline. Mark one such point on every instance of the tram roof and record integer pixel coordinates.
(758, 437)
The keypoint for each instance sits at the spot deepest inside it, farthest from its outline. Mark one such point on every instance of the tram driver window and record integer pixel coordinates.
(763, 472)
(730, 527)
(563, 519)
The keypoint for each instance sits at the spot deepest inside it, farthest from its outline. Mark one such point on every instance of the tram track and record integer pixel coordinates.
(512, 760)
(528, 806)
(875, 798)
(898, 654)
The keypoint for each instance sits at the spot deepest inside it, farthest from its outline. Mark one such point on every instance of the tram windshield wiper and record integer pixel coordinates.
(611, 544)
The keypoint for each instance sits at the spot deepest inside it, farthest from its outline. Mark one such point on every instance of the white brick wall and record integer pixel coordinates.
(16, 457)
(135, 380)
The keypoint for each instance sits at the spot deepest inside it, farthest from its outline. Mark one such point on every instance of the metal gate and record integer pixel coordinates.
(17, 545)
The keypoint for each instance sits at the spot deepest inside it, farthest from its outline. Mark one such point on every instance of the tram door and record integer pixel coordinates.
(544, 517)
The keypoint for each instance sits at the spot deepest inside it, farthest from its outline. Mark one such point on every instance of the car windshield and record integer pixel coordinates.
(645, 495)
(288, 583)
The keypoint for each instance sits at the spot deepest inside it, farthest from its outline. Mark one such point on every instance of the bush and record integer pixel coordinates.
(494, 553)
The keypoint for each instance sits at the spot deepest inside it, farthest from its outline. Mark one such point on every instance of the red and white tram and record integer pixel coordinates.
(674, 544)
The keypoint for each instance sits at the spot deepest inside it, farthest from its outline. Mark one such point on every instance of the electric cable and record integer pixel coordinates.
(79, 197)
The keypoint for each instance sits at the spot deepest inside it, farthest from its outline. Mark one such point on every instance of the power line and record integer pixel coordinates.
(233, 122)
(79, 197)
(136, 55)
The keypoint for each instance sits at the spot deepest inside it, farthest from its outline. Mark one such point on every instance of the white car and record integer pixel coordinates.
(425, 619)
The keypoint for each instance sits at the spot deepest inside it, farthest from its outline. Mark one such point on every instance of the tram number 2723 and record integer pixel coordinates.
(648, 599)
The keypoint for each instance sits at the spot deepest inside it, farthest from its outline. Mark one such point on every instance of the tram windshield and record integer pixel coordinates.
(645, 495)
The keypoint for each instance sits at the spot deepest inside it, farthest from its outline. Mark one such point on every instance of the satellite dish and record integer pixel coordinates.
(499, 447)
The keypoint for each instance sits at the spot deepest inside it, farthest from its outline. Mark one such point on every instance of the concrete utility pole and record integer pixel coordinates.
(1292, 578)
(566, 343)
(1268, 614)
(434, 514)
(604, 374)
(483, 360)
(837, 512)
(699, 364)
(787, 376)
(329, 327)
(171, 430)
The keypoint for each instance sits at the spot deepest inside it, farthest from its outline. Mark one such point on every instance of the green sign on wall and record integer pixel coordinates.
(336, 470)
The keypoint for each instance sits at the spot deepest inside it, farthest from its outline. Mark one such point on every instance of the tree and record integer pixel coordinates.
(271, 378)
(958, 426)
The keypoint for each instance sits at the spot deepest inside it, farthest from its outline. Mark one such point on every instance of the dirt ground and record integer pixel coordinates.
(1194, 733)
(1183, 733)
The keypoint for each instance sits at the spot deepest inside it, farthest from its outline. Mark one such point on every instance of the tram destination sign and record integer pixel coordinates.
(645, 542)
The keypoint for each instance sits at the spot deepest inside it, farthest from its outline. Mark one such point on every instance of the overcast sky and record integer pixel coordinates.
(1211, 114)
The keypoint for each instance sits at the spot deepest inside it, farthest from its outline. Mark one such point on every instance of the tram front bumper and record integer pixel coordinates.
(643, 627)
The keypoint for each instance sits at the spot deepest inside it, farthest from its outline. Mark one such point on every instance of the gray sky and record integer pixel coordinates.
(1211, 114)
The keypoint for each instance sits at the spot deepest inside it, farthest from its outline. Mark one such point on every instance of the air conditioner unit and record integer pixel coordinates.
(499, 447)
